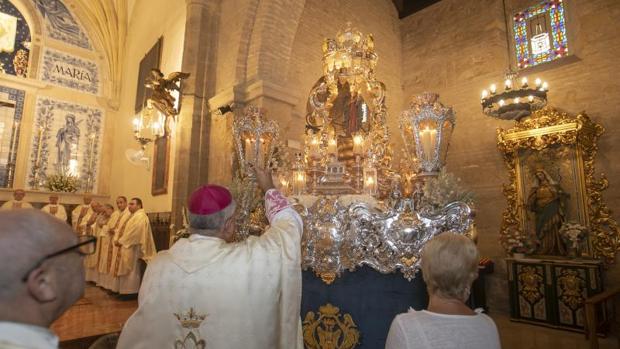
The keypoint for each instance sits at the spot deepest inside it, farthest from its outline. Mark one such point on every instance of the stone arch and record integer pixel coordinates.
(30, 13)
(270, 32)
(244, 41)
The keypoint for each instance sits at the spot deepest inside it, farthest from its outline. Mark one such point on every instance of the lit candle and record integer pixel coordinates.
(314, 149)
(136, 125)
(13, 139)
(262, 150)
(501, 102)
(530, 98)
(91, 158)
(493, 89)
(538, 82)
(284, 183)
(524, 82)
(299, 182)
(358, 144)
(484, 94)
(156, 128)
(545, 86)
(508, 84)
(427, 138)
(517, 100)
(370, 181)
(332, 146)
(249, 151)
(38, 157)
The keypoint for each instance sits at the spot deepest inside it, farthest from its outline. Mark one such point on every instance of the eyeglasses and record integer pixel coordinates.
(86, 245)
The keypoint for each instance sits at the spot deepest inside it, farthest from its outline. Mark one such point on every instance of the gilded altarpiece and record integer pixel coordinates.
(550, 157)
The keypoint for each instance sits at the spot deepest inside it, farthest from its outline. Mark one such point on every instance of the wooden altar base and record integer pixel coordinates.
(94, 315)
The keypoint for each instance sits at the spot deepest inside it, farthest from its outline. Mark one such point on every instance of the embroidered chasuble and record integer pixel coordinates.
(108, 250)
(91, 262)
(136, 240)
(79, 218)
(14, 204)
(243, 295)
(57, 211)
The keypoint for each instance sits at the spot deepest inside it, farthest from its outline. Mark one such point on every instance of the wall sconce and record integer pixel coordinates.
(160, 109)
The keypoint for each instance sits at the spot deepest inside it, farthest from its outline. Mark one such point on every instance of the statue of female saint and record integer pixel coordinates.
(546, 201)
(347, 119)
(67, 140)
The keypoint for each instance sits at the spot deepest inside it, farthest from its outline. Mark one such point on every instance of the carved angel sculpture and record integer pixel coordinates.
(162, 88)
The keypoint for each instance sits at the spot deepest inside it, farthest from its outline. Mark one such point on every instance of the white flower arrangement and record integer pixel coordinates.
(62, 183)
(573, 234)
(444, 189)
(518, 243)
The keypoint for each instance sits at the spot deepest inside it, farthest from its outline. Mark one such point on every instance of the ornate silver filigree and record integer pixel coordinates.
(255, 141)
(339, 237)
(426, 115)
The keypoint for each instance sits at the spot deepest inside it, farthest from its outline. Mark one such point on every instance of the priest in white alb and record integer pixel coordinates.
(55, 209)
(134, 242)
(81, 214)
(106, 248)
(99, 230)
(209, 292)
(17, 202)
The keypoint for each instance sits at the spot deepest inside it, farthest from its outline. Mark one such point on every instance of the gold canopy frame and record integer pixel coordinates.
(545, 130)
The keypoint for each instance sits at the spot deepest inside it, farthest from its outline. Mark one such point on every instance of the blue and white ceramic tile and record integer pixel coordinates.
(9, 133)
(16, 96)
(60, 24)
(51, 118)
(69, 71)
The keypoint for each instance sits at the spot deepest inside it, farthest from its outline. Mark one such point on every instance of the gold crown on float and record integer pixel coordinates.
(190, 319)
(350, 53)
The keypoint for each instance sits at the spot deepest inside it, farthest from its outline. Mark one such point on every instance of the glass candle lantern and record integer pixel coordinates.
(299, 182)
(370, 181)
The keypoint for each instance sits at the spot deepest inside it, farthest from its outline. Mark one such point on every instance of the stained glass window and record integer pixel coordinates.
(540, 34)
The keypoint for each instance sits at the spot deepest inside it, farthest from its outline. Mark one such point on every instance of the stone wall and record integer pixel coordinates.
(271, 57)
(458, 47)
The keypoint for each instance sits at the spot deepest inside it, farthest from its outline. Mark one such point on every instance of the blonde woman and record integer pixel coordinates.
(449, 266)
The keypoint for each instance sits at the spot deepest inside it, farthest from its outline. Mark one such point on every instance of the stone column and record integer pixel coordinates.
(193, 124)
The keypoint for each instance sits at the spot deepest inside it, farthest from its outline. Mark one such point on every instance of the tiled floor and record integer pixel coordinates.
(515, 335)
(95, 314)
(100, 313)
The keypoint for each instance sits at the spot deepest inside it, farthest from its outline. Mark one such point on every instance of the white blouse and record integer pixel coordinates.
(425, 329)
(23, 336)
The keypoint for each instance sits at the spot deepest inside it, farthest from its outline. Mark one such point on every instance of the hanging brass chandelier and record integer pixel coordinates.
(518, 99)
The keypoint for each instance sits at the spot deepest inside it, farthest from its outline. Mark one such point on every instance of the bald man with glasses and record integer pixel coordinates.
(42, 276)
